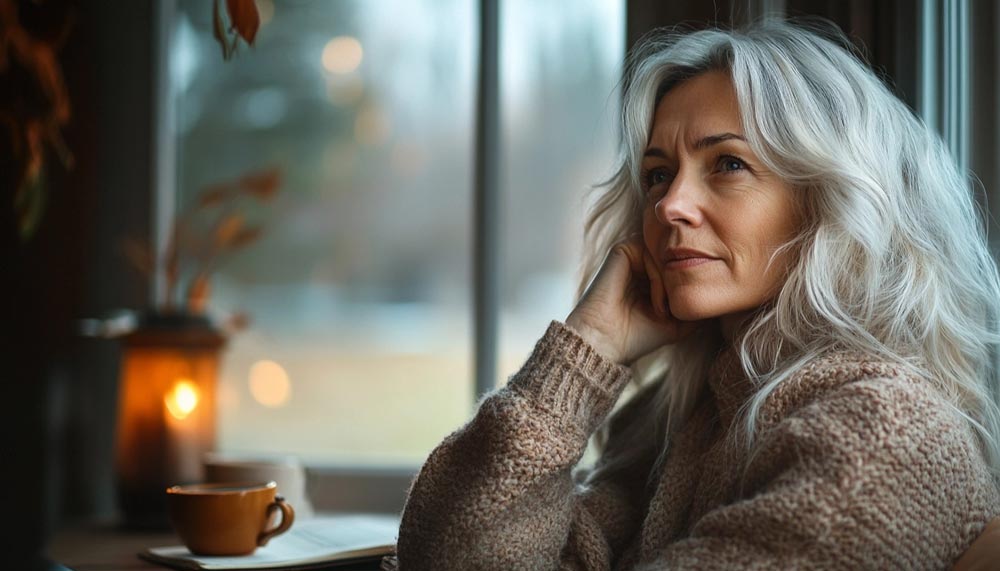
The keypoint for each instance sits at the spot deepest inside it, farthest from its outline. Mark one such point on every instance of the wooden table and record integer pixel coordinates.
(107, 548)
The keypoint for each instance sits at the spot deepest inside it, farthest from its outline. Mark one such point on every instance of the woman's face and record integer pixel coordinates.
(714, 215)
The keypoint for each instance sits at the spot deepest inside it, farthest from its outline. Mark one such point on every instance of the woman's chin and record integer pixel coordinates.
(687, 312)
(696, 309)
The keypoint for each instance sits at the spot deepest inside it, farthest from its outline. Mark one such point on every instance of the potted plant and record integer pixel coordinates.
(166, 415)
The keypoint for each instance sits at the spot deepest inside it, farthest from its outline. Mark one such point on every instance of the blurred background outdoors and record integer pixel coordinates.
(360, 343)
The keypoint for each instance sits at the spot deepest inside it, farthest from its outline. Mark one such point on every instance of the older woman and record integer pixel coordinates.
(809, 262)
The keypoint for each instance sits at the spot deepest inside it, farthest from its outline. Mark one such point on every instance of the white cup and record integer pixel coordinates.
(287, 471)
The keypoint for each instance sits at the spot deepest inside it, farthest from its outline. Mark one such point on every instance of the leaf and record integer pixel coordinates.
(197, 295)
(262, 185)
(42, 60)
(214, 195)
(245, 237)
(29, 202)
(244, 18)
(58, 144)
(227, 230)
(219, 31)
(47, 110)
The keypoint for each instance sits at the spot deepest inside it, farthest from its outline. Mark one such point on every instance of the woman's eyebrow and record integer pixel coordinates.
(655, 152)
(710, 140)
(702, 143)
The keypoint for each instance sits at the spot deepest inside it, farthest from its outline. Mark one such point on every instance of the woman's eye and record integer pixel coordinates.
(731, 164)
(655, 177)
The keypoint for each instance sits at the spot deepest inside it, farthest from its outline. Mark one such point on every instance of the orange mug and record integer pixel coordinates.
(227, 518)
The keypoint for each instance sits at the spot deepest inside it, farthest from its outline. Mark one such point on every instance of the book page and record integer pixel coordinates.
(315, 540)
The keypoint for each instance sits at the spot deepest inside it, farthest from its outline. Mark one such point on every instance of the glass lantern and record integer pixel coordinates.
(166, 411)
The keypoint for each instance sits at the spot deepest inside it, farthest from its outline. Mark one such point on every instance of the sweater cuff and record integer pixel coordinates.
(566, 376)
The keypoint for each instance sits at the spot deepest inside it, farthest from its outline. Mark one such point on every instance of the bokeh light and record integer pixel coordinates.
(342, 54)
(269, 384)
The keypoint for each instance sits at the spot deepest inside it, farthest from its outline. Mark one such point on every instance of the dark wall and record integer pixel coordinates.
(58, 426)
(985, 18)
(643, 16)
(884, 29)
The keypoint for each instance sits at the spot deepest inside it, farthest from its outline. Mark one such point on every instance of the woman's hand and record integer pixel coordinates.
(624, 313)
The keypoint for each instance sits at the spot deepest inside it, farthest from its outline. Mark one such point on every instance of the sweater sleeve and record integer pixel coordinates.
(878, 474)
(498, 493)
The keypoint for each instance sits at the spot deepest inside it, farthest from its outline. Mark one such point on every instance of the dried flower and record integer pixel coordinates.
(244, 21)
(34, 104)
(214, 226)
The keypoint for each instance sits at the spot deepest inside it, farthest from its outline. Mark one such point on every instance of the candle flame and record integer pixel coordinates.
(182, 399)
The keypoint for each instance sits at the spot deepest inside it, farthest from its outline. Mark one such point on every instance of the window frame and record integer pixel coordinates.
(362, 487)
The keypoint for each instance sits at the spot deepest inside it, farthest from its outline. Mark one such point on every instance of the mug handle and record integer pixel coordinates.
(287, 517)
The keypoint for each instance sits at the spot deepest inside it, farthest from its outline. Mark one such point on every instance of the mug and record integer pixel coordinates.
(286, 471)
(227, 518)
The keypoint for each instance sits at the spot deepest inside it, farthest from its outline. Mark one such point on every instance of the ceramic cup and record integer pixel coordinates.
(227, 518)
(286, 471)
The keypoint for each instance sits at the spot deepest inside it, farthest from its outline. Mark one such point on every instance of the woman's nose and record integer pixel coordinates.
(679, 206)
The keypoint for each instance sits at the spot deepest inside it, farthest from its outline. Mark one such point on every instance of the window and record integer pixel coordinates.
(559, 70)
(360, 345)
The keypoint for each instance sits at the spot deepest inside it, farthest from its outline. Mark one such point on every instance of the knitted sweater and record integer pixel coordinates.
(858, 465)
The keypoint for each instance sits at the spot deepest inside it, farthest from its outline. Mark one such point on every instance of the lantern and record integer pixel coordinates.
(166, 411)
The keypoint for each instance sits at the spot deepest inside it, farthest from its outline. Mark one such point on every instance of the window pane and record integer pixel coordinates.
(358, 290)
(559, 77)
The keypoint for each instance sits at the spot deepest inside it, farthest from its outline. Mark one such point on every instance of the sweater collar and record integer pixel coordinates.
(729, 384)
(731, 387)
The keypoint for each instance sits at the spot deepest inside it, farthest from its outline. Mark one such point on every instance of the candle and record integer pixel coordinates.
(166, 415)
(186, 437)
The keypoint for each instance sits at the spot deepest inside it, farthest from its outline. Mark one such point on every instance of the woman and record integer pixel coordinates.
(811, 265)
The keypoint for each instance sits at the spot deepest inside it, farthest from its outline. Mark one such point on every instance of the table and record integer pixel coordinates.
(100, 547)
(106, 548)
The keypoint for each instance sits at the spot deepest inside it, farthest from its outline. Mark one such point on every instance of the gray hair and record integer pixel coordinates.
(892, 261)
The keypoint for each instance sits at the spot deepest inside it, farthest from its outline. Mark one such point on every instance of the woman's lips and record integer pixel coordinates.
(684, 263)
(682, 258)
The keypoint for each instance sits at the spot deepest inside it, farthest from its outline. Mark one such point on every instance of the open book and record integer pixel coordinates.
(322, 541)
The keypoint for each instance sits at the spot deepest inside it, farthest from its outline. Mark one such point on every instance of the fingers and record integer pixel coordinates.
(612, 276)
(644, 274)
(623, 260)
(633, 249)
(657, 295)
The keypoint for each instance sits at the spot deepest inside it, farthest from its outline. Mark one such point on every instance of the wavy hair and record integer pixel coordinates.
(892, 261)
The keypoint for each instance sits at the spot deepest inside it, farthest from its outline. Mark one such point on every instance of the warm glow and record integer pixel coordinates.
(269, 383)
(182, 399)
(342, 54)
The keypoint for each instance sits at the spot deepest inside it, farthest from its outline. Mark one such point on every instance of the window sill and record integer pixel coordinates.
(359, 488)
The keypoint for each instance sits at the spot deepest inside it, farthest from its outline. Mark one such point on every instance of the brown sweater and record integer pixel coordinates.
(858, 466)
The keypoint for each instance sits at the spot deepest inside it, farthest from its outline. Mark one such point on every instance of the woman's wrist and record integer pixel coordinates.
(594, 337)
